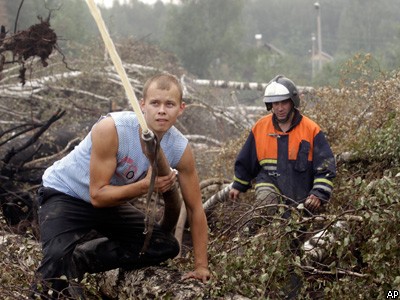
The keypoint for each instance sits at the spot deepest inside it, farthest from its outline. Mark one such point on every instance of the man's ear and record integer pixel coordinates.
(142, 104)
(182, 107)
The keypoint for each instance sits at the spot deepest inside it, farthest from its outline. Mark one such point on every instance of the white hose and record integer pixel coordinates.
(117, 64)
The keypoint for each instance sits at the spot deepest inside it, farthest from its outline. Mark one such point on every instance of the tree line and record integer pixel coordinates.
(216, 39)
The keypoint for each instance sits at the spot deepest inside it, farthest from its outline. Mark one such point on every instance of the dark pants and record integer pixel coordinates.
(78, 238)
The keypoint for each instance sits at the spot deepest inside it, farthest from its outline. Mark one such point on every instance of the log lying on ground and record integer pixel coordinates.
(238, 85)
(315, 248)
(221, 196)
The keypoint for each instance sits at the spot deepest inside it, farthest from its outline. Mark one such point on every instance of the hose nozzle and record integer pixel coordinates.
(147, 135)
(150, 144)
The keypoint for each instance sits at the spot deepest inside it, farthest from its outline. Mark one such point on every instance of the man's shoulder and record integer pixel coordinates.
(122, 114)
(308, 125)
(175, 133)
(263, 121)
(124, 118)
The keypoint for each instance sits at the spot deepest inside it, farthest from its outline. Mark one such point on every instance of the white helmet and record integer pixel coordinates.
(281, 88)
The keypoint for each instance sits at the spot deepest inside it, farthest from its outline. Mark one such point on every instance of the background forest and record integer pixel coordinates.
(217, 39)
(353, 245)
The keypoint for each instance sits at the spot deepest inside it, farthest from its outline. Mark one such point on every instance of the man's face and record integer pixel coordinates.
(282, 109)
(161, 108)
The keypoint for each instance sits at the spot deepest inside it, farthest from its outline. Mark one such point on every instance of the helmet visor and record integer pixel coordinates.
(276, 92)
(275, 98)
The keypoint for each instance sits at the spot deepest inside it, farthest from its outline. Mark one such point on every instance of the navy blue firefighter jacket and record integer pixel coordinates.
(295, 163)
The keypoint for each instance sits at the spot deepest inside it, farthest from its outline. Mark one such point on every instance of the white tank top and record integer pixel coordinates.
(70, 175)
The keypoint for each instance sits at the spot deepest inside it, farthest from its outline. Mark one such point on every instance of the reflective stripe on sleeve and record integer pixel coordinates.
(323, 184)
(241, 181)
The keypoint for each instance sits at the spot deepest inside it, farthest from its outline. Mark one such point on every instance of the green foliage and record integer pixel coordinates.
(256, 269)
(364, 101)
(200, 32)
(257, 266)
(383, 145)
(330, 74)
(372, 246)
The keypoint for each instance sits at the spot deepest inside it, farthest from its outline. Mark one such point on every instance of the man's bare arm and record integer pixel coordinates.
(189, 183)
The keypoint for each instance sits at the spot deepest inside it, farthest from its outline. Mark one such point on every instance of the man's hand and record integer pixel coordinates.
(234, 194)
(312, 203)
(201, 273)
(162, 184)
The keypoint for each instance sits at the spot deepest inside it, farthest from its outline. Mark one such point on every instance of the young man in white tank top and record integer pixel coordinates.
(86, 222)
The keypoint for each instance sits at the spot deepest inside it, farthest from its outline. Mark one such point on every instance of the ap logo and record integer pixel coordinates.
(393, 294)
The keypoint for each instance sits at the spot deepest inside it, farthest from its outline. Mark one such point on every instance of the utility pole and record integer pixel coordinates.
(313, 56)
(319, 39)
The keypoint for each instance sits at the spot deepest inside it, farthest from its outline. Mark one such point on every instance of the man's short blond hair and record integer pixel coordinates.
(164, 82)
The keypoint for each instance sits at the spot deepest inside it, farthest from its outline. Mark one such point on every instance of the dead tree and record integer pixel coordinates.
(19, 143)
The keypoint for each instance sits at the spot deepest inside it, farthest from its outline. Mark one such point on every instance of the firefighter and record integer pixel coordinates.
(286, 153)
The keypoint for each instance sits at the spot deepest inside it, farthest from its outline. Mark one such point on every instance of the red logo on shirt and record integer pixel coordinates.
(129, 168)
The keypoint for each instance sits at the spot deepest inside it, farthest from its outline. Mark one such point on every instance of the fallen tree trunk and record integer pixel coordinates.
(238, 85)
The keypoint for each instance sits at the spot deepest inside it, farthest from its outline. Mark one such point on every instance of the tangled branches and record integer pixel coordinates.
(39, 40)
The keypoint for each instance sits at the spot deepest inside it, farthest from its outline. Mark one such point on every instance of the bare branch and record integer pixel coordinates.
(35, 137)
(52, 157)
